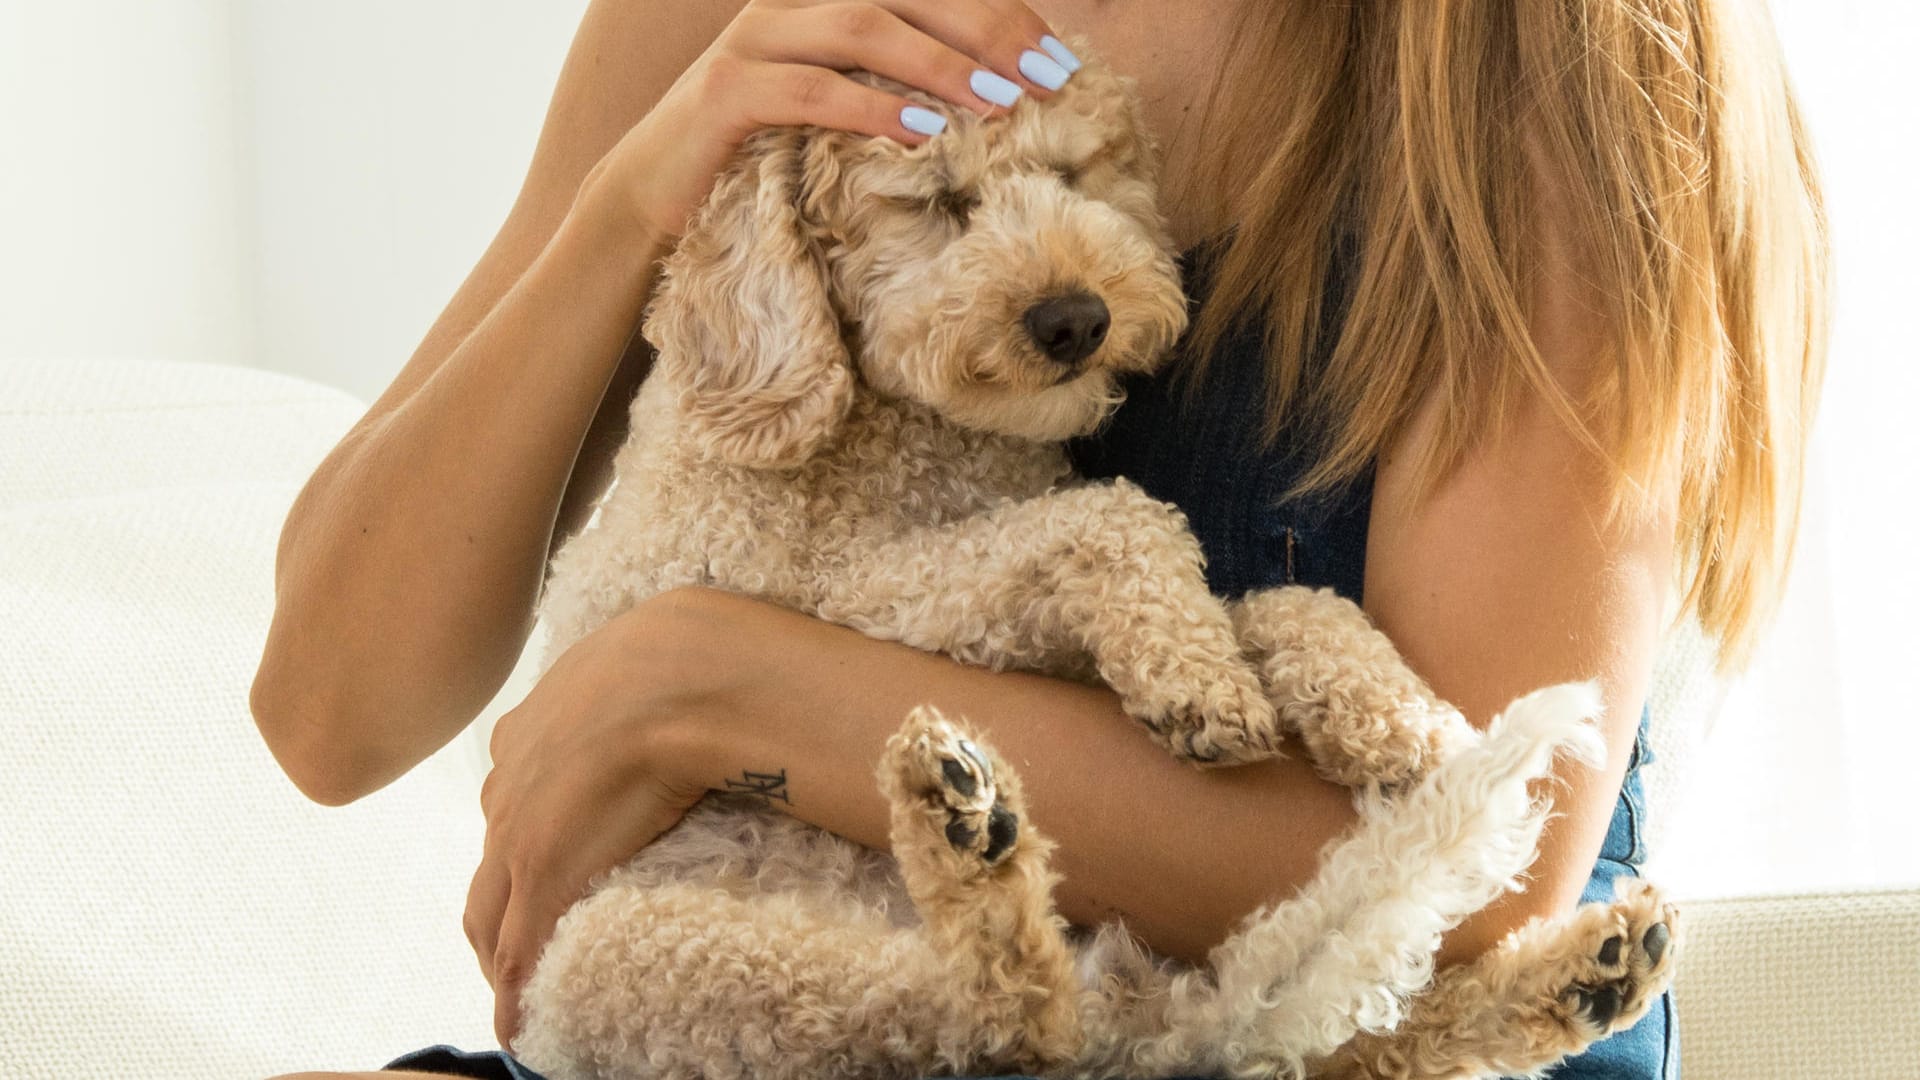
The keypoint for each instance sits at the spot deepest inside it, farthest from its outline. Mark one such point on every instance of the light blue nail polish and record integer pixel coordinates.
(991, 87)
(1042, 71)
(1060, 53)
(922, 121)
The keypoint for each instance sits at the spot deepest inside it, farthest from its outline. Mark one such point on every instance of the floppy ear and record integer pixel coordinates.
(741, 319)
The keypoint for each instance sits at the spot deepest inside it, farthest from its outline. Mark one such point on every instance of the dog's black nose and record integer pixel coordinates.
(1068, 328)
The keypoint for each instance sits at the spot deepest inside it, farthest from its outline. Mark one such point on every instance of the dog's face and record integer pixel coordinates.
(1008, 271)
(1005, 273)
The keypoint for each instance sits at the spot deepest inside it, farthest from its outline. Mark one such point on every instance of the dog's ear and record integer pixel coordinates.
(742, 321)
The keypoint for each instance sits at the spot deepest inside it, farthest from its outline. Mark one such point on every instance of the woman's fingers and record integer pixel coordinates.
(869, 37)
(765, 94)
(975, 54)
(486, 904)
(984, 28)
(508, 922)
(1007, 36)
(996, 33)
(782, 63)
(524, 931)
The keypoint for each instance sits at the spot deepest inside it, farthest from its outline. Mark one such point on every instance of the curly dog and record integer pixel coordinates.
(868, 356)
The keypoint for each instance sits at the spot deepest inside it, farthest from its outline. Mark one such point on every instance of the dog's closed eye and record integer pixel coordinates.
(957, 204)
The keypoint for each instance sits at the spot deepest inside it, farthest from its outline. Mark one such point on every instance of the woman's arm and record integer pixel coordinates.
(409, 565)
(1181, 854)
(1517, 572)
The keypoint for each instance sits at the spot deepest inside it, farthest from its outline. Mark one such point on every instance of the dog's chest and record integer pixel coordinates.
(894, 469)
(900, 466)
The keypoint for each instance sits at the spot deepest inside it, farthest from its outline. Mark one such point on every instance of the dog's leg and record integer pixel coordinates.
(1104, 572)
(1338, 684)
(979, 877)
(1551, 989)
(692, 982)
(1304, 976)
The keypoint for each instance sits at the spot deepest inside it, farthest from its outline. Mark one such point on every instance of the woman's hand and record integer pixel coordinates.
(780, 62)
(587, 771)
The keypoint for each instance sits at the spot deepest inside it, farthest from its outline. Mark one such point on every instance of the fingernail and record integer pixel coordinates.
(1060, 53)
(991, 87)
(922, 121)
(1042, 71)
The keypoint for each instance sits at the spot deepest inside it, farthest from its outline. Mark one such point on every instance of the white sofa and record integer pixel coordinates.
(173, 907)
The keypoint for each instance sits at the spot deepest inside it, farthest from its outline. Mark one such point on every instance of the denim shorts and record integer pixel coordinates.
(1649, 1050)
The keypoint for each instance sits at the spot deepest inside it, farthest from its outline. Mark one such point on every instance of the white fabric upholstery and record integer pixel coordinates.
(170, 905)
(1800, 987)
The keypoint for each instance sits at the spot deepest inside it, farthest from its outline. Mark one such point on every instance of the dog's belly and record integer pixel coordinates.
(738, 845)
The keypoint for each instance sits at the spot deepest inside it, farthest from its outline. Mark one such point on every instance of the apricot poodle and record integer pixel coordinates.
(868, 356)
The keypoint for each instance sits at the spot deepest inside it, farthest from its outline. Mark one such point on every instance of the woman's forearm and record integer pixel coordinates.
(409, 565)
(1180, 854)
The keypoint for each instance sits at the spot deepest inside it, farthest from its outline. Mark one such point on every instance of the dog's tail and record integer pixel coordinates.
(1302, 977)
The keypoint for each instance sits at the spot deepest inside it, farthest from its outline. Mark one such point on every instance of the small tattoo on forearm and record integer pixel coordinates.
(768, 786)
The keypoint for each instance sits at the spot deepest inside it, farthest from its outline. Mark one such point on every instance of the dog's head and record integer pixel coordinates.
(1004, 273)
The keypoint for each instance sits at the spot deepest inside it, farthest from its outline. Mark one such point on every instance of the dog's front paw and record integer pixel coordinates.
(949, 780)
(1622, 960)
(1340, 686)
(1212, 720)
(1390, 744)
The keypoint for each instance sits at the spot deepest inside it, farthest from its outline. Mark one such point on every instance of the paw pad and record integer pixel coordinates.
(1626, 973)
(1598, 1005)
(1003, 828)
(966, 772)
(966, 822)
(1655, 943)
(948, 770)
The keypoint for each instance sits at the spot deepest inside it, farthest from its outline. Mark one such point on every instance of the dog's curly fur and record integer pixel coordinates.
(849, 417)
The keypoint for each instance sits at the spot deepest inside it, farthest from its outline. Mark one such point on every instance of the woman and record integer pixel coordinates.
(1511, 309)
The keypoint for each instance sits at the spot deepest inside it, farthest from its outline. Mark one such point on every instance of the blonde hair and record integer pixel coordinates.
(1666, 135)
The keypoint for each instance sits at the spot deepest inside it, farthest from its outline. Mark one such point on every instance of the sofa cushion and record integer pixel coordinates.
(1791, 987)
(174, 907)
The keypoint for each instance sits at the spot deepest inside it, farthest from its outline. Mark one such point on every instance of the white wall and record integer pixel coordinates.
(291, 185)
(1808, 781)
(121, 222)
(384, 144)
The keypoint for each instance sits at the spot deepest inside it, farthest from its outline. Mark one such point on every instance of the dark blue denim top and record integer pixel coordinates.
(1197, 444)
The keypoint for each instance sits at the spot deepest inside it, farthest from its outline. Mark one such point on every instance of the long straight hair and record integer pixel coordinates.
(1666, 137)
